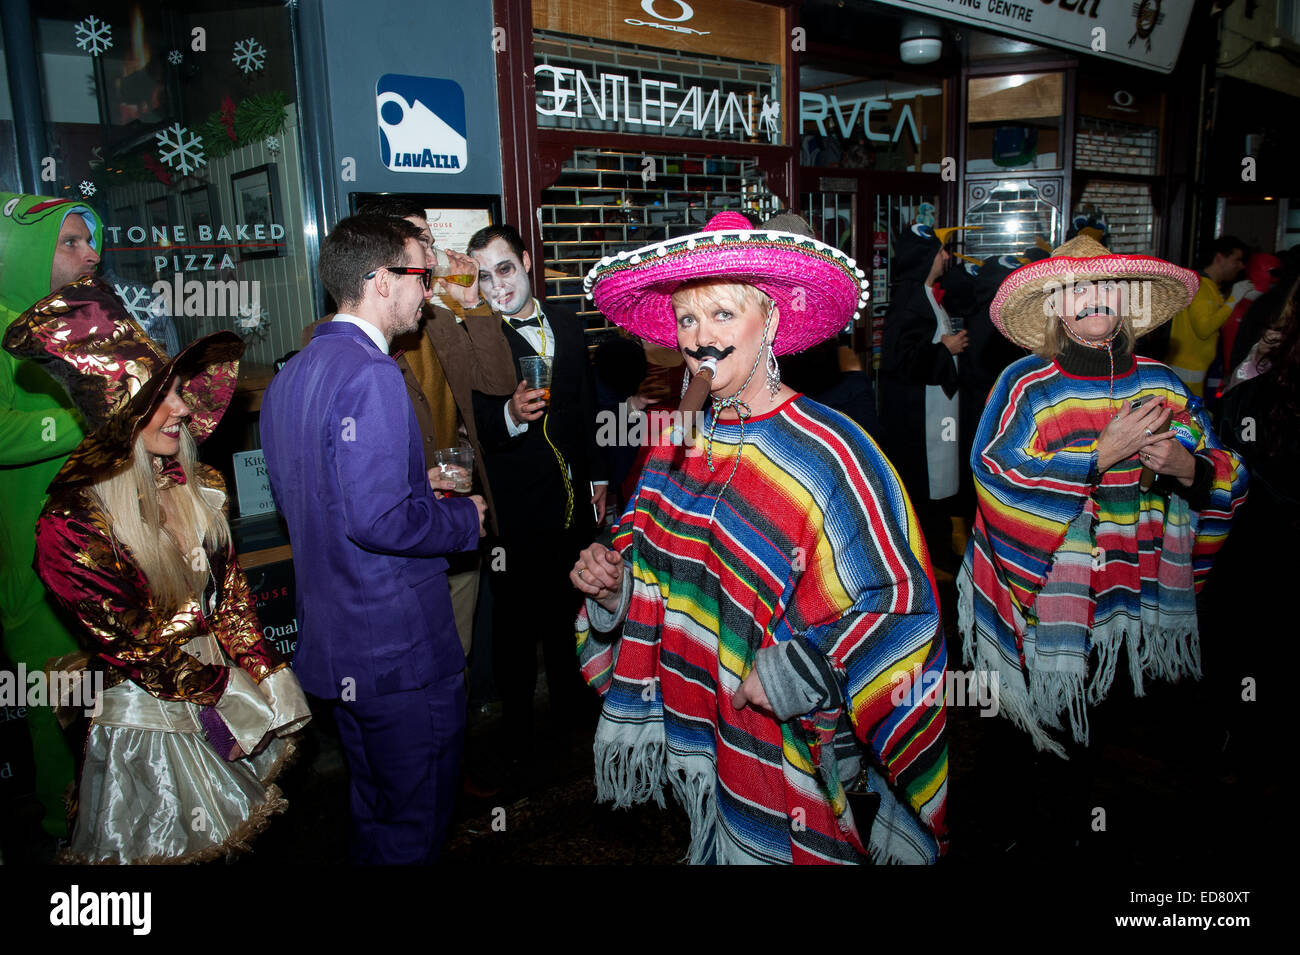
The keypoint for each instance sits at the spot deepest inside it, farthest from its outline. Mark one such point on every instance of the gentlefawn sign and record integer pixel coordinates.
(566, 91)
(1146, 33)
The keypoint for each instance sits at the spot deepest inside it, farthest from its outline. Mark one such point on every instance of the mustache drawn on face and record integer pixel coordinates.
(710, 351)
(1094, 310)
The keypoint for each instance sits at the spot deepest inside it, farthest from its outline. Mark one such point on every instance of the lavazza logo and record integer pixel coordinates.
(421, 124)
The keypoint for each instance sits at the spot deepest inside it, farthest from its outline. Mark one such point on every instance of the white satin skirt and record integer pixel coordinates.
(153, 790)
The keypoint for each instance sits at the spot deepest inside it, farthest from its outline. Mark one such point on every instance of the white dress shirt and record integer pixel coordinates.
(373, 333)
(542, 341)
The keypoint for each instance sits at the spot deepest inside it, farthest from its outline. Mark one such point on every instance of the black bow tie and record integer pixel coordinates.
(524, 323)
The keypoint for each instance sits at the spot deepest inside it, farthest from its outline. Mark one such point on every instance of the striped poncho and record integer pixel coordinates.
(1065, 564)
(814, 541)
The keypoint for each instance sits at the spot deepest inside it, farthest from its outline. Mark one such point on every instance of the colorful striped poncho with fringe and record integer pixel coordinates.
(1064, 563)
(812, 540)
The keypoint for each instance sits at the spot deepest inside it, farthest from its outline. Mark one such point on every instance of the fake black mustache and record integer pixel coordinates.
(1094, 310)
(710, 351)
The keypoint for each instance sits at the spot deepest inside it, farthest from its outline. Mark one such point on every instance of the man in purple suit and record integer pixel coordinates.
(376, 631)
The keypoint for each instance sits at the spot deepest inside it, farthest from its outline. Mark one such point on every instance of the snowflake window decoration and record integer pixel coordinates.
(175, 57)
(87, 188)
(181, 153)
(139, 301)
(249, 55)
(94, 35)
(272, 144)
(252, 322)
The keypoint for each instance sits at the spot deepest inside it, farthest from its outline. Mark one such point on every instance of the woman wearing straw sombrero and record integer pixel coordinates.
(771, 583)
(1103, 494)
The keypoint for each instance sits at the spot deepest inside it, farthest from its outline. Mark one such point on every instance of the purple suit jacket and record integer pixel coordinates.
(347, 471)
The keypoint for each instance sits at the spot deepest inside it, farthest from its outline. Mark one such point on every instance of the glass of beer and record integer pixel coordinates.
(537, 373)
(457, 465)
(449, 271)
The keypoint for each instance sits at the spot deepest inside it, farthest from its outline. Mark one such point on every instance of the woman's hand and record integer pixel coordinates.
(1130, 431)
(1170, 457)
(751, 693)
(599, 574)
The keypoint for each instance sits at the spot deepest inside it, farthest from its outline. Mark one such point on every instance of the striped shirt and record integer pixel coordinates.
(814, 540)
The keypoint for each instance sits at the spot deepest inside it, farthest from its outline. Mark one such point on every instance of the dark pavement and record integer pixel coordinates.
(1171, 774)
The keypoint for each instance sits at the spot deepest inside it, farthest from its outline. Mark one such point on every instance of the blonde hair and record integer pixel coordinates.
(1055, 337)
(169, 532)
(701, 292)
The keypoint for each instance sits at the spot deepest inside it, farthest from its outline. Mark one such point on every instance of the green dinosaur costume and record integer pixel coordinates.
(37, 431)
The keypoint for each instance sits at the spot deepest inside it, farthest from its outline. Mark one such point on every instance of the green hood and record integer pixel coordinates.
(29, 232)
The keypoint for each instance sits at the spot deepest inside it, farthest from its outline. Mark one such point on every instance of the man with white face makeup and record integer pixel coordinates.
(548, 482)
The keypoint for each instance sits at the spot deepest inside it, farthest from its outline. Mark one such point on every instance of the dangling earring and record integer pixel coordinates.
(773, 373)
(686, 381)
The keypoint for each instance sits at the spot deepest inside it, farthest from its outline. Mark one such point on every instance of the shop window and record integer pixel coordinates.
(856, 123)
(1290, 219)
(1109, 146)
(1012, 215)
(601, 204)
(1014, 122)
(836, 213)
(1288, 19)
(8, 144)
(178, 125)
(1126, 210)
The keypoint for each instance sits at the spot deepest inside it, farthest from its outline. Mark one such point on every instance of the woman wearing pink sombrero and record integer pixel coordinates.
(769, 578)
(1103, 494)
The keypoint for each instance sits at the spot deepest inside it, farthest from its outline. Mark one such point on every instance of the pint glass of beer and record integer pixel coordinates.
(448, 271)
(537, 373)
(456, 464)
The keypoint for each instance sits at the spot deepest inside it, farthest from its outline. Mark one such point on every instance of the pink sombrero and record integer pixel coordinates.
(1017, 310)
(817, 287)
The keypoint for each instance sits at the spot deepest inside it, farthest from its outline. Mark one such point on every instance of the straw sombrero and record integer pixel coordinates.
(816, 286)
(116, 374)
(1018, 309)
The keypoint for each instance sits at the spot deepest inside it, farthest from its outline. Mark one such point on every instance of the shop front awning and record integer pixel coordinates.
(1145, 33)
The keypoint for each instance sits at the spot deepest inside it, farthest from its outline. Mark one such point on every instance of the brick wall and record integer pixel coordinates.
(1128, 211)
(1108, 146)
(608, 200)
